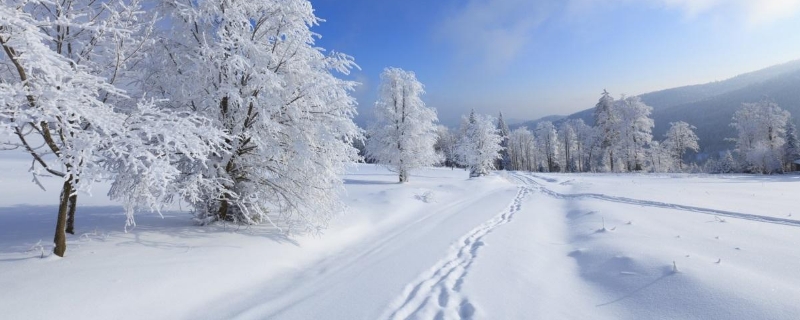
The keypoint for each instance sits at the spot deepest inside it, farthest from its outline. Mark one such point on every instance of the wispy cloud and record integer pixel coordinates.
(766, 11)
(750, 12)
(496, 30)
(692, 8)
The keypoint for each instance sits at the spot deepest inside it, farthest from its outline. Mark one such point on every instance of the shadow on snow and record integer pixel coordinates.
(26, 228)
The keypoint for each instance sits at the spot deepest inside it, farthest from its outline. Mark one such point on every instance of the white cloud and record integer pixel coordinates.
(692, 7)
(496, 30)
(750, 12)
(753, 12)
(765, 11)
(365, 85)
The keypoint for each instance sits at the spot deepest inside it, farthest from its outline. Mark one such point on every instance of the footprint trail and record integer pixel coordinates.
(437, 293)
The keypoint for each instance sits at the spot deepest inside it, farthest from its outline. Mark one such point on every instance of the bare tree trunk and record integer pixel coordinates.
(611, 158)
(222, 213)
(403, 176)
(224, 204)
(566, 154)
(60, 239)
(73, 203)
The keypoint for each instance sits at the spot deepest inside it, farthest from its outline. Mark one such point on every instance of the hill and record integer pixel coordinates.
(532, 123)
(710, 106)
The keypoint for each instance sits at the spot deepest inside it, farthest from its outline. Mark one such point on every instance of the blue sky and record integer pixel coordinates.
(530, 59)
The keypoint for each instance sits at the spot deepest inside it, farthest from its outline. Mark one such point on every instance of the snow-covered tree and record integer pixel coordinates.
(404, 133)
(547, 143)
(522, 150)
(502, 128)
(587, 145)
(660, 157)
(59, 91)
(679, 138)
(570, 144)
(791, 149)
(446, 143)
(635, 130)
(761, 128)
(727, 164)
(624, 128)
(361, 146)
(253, 68)
(479, 144)
(607, 122)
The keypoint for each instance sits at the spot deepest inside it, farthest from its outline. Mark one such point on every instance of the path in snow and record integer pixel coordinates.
(528, 178)
(437, 293)
(361, 279)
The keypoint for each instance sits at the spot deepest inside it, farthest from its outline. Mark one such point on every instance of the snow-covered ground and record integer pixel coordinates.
(507, 246)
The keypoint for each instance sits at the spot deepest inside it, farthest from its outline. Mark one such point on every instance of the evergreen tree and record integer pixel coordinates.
(504, 161)
(792, 146)
(725, 164)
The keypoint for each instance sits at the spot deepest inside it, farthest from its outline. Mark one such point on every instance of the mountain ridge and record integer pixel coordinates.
(710, 106)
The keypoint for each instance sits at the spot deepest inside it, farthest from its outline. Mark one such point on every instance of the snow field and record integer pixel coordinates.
(727, 267)
(508, 246)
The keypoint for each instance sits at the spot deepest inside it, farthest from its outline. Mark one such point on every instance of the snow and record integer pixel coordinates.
(510, 245)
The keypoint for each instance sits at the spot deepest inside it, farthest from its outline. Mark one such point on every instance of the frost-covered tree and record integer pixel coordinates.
(635, 130)
(360, 145)
(679, 138)
(660, 157)
(403, 135)
(446, 143)
(253, 68)
(587, 145)
(60, 97)
(607, 124)
(727, 164)
(761, 128)
(624, 128)
(502, 128)
(479, 144)
(570, 144)
(791, 150)
(522, 150)
(547, 143)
